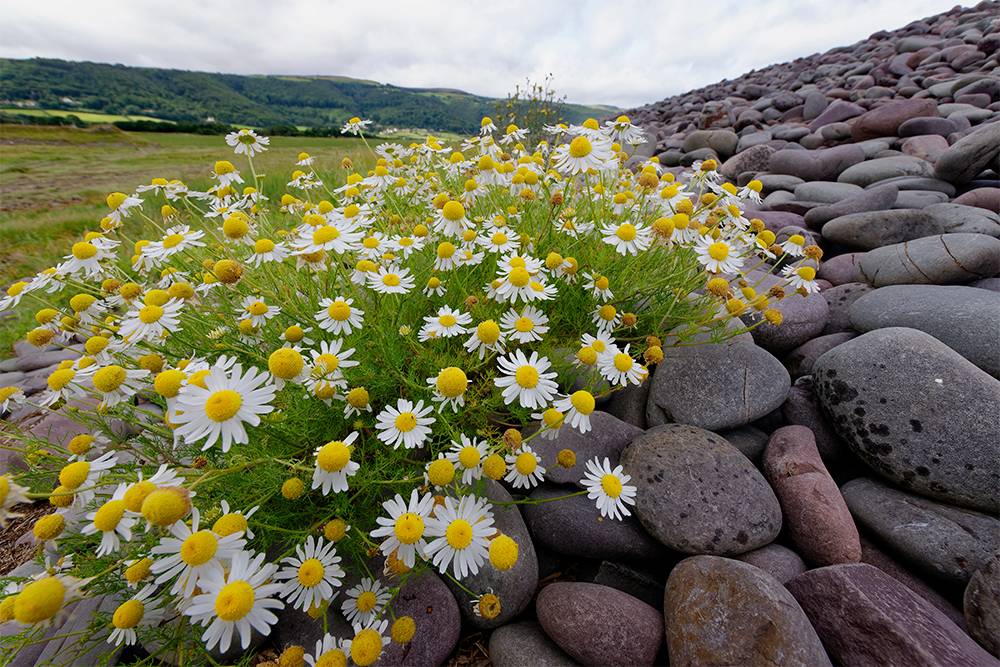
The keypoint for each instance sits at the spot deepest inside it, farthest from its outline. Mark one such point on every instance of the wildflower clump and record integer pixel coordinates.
(328, 368)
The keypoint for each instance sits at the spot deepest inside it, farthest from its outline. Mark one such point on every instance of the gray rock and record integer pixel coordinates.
(970, 155)
(916, 127)
(720, 611)
(749, 440)
(840, 298)
(936, 260)
(780, 562)
(608, 437)
(42, 359)
(926, 147)
(629, 404)
(885, 120)
(948, 543)
(598, 625)
(723, 142)
(574, 527)
(819, 165)
(638, 583)
(525, 643)
(966, 319)
(875, 229)
(753, 159)
(815, 104)
(803, 317)
(872, 171)
(865, 617)
(840, 269)
(802, 408)
(827, 192)
(688, 388)
(957, 218)
(982, 605)
(878, 198)
(697, 493)
(837, 111)
(919, 198)
(800, 360)
(917, 412)
(427, 600)
(772, 182)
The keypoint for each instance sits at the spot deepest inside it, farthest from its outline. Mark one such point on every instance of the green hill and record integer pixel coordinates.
(179, 95)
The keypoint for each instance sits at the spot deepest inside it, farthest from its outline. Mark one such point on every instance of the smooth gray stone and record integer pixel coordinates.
(936, 260)
(872, 171)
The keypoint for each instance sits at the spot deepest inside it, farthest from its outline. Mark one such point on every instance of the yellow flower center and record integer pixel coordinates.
(409, 528)
(168, 383)
(469, 457)
(626, 232)
(366, 602)
(447, 320)
(623, 362)
(406, 422)
(234, 601)
(611, 485)
(806, 272)
(172, 240)
(325, 234)
(583, 401)
(223, 405)
(39, 600)
(311, 572)
(332, 658)
(128, 614)
(526, 463)
(164, 507)
(607, 312)
(587, 355)
(451, 382)
(519, 276)
(503, 552)
(229, 524)
(327, 363)
(339, 310)
(74, 474)
(580, 147)
(198, 548)
(526, 377)
(333, 456)
(366, 647)
(403, 629)
(358, 397)
(440, 472)
(109, 378)
(110, 513)
(718, 251)
(262, 246)
(459, 534)
(285, 363)
(524, 324)
(138, 570)
(84, 250)
(552, 418)
(488, 332)
(453, 211)
(48, 527)
(257, 308)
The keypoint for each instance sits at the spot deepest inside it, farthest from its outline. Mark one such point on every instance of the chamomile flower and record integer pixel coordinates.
(582, 154)
(239, 601)
(718, 256)
(365, 601)
(486, 338)
(801, 278)
(551, 422)
(86, 256)
(449, 387)
(623, 131)
(609, 487)
(141, 610)
(256, 310)
(312, 576)
(447, 323)
(81, 477)
(577, 407)
(451, 220)
(334, 465)
(233, 521)
(339, 316)
(530, 325)
(599, 286)
(330, 360)
(369, 640)
(151, 322)
(404, 526)
(503, 241)
(468, 455)
(120, 205)
(266, 251)
(526, 380)
(620, 369)
(220, 409)
(461, 531)
(41, 601)
(794, 245)
(10, 396)
(330, 652)
(391, 280)
(192, 554)
(247, 142)
(112, 522)
(607, 318)
(296, 334)
(337, 236)
(11, 493)
(405, 424)
(355, 126)
(178, 239)
(526, 470)
(626, 238)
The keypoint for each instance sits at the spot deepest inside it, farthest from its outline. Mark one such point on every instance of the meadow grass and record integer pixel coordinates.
(53, 181)
(82, 114)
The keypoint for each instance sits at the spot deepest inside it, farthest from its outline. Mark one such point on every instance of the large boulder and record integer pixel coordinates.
(698, 494)
(874, 229)
(970, 155)
(720, 611)
(820, 165)
(934, 260)
(879, 169)
(917, 412)
(865, 617)
(885, 120)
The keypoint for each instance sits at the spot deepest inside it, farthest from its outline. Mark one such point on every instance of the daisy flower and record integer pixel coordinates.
(192, 554)
(447, 323)
(526, 470)
(256, 310)
(626, 238)
(312, 575)
(577, 408)
(623, 131)
(530, 325)
(329, 652)
(449, 387)
(177, 239)
(599, 286)
(606, 317)
(112, 522)
(247, 142)
(404, 424)
(526, 380)
(468, 455)
(150, 322)
(334, 465)
(718, 256)
(266, 251)
(220, 409)
(137, 611)
(86, 256)
(801, 278)
(619, 368)
(794, 245)
(434, 287)
(339, 316)
(355, 126)
(551, 422)
(501, 240)
(41, 602)
(80, 477)
(461, 531)
(405, 526)
(239, 601)
(451, 220)
(486, 338)
(405, 245)
(226, 173)
(369, 640)
(609, 487)
(120, 204)
(391, 280)
(583, 154)
(330, 359)
(338, 236)
(232, 522)
(10, 396)
(365, 601)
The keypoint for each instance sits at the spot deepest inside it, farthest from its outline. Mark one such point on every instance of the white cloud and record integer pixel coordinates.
(622, 52)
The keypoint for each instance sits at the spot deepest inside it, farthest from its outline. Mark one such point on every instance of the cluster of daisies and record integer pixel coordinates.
(515, 280)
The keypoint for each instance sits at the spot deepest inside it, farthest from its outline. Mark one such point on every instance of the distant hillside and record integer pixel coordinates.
(313, 101)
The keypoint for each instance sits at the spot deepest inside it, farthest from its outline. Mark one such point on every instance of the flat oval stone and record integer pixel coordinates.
(698, 494)
(934, 260)
(720, 611)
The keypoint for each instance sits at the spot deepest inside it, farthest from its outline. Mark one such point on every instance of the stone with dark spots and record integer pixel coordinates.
(816, 518)
(968, 156)
(525, 643)
(599, 625)
(934, 260)
(778, 561)
(865, 617)
(877, 198)
(839, 298)
(698, 494)
(574, 527)
(944, 542)
(606, 439)
(917, 413)
(885, 120)
(982, 605)
(720, 611)
(427, 600)
(873, 171)
(966, 319)
(802, 408)
(800, 360)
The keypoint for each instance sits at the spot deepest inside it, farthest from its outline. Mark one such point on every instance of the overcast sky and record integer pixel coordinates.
(620, 52)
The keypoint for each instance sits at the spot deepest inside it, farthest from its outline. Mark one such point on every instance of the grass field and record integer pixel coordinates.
(53, 182)
(82, 114)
